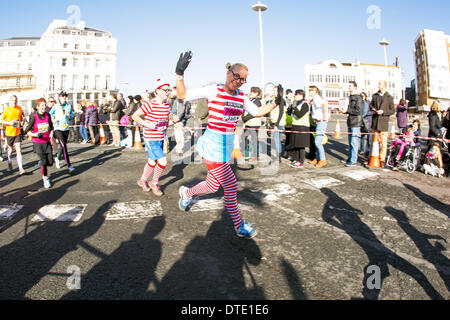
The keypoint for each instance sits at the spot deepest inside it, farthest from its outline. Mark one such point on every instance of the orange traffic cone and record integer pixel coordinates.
(337, 134)
(138, 140)
(102, 135)
(236, 151)
(375, 161)
(392, 135)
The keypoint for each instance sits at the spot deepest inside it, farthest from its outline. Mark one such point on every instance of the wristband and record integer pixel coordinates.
(180, 78)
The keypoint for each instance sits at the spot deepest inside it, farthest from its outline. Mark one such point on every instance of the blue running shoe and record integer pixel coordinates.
(246, 231)
(185, 202)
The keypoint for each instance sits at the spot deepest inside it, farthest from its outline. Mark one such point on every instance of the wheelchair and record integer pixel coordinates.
(410, 161)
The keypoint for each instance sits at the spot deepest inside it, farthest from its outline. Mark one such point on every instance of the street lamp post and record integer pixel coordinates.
(384, 43)
(260, 8)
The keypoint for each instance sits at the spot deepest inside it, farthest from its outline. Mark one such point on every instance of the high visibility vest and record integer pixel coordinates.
(255, 122)
(303, 121)
(274, 115)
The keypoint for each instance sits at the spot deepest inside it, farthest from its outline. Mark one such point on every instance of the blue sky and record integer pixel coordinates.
(152, 34)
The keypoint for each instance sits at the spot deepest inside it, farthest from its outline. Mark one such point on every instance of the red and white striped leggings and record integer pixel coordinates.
(220, 174)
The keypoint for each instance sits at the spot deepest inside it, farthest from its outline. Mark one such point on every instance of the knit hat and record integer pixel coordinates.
(160, 83)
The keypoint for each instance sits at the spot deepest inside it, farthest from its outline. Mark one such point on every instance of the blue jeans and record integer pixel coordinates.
(321, 129)
(353, 142)
(84, 133)
(366, 143)
(277, 140)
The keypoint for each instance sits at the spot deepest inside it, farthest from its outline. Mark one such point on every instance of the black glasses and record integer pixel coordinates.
(238, 77)
(166, 90)
(52, 101)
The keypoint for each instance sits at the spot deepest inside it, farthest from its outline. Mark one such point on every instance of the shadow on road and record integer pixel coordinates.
(212, 268)
(432, 253)
(128, 271)
(338, 213)
(433, 202)
(27, 260)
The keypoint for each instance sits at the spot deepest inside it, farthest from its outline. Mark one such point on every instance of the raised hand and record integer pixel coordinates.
(279, 98)
(183, 63)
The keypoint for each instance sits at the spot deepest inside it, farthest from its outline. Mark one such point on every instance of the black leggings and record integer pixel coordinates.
(299, 155)
(62, 137)
(46, 161)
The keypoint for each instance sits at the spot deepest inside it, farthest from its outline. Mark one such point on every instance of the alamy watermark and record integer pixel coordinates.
(374, 19)
(74, 280)
(374, 278)
(75, 15)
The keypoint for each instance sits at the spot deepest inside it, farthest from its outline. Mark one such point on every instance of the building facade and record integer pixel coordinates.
(75, 59)
(432, 55)
(333, 77)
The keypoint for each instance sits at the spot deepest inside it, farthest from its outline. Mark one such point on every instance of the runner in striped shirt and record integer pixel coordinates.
(156, 120)
(226, 105)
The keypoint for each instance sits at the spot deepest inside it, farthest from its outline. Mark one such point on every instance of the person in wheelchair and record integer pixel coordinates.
(403, 144)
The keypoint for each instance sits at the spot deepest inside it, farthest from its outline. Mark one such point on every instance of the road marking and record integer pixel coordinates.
(359, 175)
(279, 190)
(60, 213)
(214, 205)
(7, 212)
(134, 210)
(323, 182)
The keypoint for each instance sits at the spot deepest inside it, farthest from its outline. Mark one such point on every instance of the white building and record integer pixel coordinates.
(332, 78)
(76, 59)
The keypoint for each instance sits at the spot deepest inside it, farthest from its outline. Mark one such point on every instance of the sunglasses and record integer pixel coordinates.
(238, 77)
(52, 101)
(166, 90)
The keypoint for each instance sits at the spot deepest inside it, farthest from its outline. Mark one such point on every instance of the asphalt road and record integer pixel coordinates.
(332, 233)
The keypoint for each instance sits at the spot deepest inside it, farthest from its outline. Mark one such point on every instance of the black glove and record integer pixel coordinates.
(183, 63)
(279, 98)
(290, 110)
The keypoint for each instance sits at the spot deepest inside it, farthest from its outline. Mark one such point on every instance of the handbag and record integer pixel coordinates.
(125, 120)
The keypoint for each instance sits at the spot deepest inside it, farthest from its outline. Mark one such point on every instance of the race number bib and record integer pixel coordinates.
(162, 125)
(232, 112)
(43, 127)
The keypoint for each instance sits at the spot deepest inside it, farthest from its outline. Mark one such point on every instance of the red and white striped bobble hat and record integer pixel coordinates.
(159, 83)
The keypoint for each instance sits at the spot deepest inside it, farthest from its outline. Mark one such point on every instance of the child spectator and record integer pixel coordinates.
(407, 139)
(433, 163)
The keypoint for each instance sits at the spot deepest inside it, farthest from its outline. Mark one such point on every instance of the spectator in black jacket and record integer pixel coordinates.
(354, 121)
(103, 118)
(435, 122)
(301, 122)
(115, 112)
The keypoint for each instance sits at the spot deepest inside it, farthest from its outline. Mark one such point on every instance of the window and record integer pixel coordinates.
(107, 83)
(19, 67)
(86, 82)
(77, 46)
(75, 62)
(51, 85)
(97, 63)
(86, 63)
(88, 47)
(64, 62)
(18, 82)
(75, 82)
(97, 82)
(29, 81)
(63, 82)
(20, 54)
(66, 45)
(30, 67)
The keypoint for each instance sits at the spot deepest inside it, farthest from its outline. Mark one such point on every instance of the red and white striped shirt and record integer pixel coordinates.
(157, 113)
(225, 110)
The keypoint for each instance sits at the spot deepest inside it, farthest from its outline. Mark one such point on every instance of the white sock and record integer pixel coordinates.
(19, 161)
